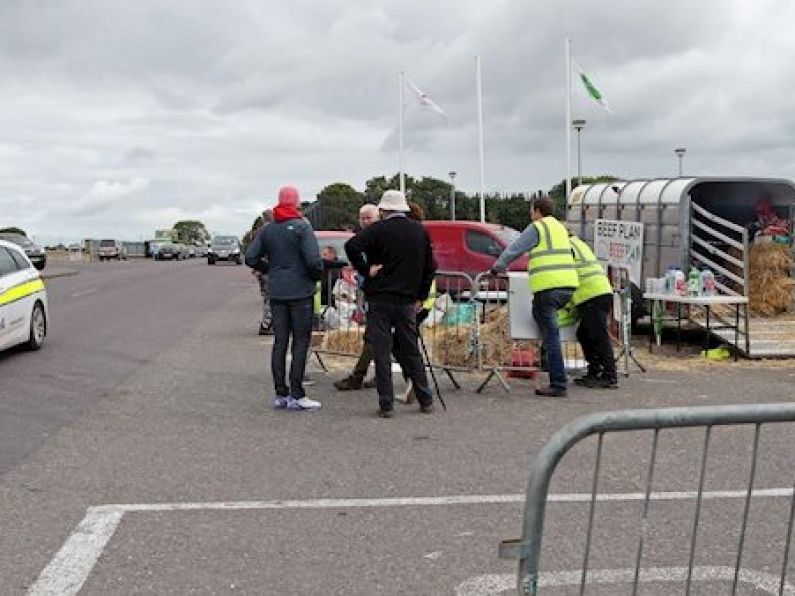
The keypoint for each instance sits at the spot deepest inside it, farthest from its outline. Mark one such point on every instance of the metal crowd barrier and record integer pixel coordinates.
(528, 550)
(466, 331)
(449, 332)
(498, 353)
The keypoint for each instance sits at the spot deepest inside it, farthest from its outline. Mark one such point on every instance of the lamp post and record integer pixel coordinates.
(680, 153)
(578, 125)
(452, 175)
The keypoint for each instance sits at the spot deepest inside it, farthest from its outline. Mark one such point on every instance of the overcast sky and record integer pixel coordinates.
(119, 118)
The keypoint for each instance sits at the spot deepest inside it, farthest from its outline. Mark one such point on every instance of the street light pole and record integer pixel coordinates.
(452, 175)
(578, 125)
(680, 153)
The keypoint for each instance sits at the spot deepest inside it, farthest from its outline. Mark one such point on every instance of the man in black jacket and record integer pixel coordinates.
(395, 256)
(287, 251)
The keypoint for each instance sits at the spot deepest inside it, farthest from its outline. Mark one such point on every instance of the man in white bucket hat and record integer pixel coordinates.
(395, 257)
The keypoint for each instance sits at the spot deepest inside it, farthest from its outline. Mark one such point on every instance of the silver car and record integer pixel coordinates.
(224, 248)
(111, 249)
(34, 252)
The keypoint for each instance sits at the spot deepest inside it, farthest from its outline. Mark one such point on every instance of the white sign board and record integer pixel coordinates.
(619, 245)
(521, 324)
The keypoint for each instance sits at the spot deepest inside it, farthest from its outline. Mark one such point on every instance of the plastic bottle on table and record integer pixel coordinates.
(680, 282)
(694, 282)
(708, 282)
(670, 281)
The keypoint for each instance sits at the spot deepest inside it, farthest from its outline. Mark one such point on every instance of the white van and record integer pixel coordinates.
(23, 300)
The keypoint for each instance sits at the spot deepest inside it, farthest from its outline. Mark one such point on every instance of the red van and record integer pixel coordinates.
(471, 247)
(467, 247)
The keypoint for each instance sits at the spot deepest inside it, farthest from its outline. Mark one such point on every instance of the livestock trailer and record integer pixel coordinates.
(707, 222)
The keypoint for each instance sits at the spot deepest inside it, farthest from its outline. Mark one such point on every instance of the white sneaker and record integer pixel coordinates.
(302, 404)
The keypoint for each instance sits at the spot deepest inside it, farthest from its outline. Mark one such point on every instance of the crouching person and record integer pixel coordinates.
(294, 267)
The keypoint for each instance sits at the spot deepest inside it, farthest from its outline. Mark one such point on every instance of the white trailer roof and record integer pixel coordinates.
(653, 190)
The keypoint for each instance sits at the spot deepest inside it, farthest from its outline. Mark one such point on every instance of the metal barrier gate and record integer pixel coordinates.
(498, 352)
(449, 334)
(528, 549)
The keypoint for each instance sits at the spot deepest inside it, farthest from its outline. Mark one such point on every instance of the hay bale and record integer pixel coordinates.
(451, 346)
(770, 289)
(497, 345)
(344, 341)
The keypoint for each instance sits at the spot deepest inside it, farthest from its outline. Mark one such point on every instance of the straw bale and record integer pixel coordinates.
(498, 348)
(770, 257)
(770, 289)
(344, 341)
(451, 345)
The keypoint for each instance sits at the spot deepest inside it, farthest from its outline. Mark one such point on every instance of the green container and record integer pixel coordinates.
(460, 314)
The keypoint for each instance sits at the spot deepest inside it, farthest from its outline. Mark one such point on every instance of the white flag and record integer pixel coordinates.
(425, 99)
(590, 88)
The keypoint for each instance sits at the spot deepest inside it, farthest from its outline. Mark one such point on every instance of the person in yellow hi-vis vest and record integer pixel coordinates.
(553, 280)
(594, 301)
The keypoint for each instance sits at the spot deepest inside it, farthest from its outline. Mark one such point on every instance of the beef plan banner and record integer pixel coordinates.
(619, 246)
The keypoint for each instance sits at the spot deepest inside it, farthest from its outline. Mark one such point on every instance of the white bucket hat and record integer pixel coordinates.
(393, 200)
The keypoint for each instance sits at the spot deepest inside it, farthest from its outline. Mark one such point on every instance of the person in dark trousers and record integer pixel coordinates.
(266, 325)
(368, 214)
(395, 256)
(553, 280)
(287, 251)
(594, 301)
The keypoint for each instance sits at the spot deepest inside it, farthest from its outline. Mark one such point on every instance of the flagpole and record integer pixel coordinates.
(568, 121)
(479, 85)
(400, 133)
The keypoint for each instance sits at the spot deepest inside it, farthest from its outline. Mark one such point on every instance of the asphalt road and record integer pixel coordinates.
(215, 493)
(105, 324)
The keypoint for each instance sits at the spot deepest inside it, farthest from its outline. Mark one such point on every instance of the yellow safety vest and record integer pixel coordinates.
(551, 263)
(430, 301)
(593, 281)
(317, 307)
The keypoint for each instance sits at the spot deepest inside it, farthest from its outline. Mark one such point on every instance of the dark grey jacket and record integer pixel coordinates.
(292, 258)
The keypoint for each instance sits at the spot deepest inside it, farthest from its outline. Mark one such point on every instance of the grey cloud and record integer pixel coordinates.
(217, 108)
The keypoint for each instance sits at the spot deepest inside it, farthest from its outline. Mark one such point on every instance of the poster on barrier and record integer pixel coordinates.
(619, 247)
(521, 324)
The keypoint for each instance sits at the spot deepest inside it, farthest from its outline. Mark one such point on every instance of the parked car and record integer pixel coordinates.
(467, 247)
(23, 300)
(170, 251)
(224, 248)
(111, 249)
(471, 247)
(34, 252)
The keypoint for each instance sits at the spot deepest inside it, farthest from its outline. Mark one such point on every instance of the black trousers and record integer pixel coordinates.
(594, 338)
(291, 319)
(389, 322)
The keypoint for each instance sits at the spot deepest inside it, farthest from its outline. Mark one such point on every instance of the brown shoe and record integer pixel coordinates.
(551, 392)
(386, 413)
(348, 384)
(427, 409)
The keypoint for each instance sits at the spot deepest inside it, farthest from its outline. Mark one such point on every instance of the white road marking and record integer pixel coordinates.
(83, 293)
(489, 585)
(449, 500)
(69, 569)
(73, 563)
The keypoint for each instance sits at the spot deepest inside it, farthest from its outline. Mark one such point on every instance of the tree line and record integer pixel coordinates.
(337, 205)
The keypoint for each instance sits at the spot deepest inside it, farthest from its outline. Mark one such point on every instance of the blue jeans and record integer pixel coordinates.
(290, 318)
(546, 305)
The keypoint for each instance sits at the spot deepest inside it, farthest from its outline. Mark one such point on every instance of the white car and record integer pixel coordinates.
(23, 300)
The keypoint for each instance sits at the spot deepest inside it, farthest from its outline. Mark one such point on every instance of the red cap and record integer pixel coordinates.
(288, 196)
